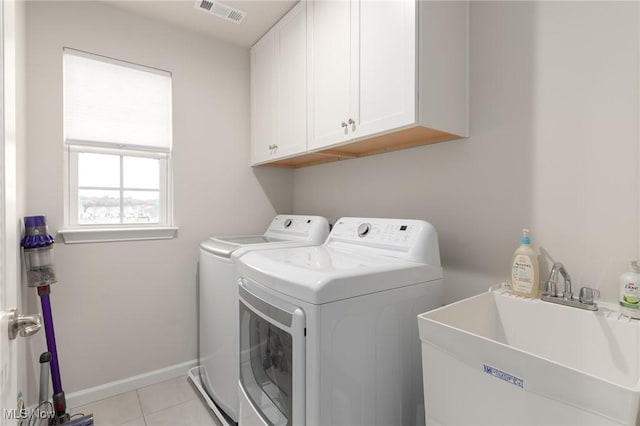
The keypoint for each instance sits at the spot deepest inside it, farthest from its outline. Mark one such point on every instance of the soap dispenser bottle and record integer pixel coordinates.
(630, 291)
(525, 277)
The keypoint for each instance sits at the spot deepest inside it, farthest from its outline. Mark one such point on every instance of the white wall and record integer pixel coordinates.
(554, 146)
(123, 309)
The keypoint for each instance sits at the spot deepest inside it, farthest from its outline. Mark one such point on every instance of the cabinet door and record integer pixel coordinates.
(332, 92)
(291, 42)
(264, 98)
(279, 89)
(387, 71)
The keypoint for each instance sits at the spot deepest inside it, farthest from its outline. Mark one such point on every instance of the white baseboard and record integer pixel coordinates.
(86, 396)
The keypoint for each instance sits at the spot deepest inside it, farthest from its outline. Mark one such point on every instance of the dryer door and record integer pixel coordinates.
(272, 356)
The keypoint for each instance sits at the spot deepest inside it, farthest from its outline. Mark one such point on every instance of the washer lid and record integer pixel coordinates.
(225, 246)
(312, 230)
(242, 240)
(324, 274)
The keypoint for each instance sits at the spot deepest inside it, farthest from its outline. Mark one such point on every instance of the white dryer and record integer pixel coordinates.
(328, 334)
(218, 302)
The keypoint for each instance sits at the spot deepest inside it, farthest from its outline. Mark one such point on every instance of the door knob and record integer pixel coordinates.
(25, 325)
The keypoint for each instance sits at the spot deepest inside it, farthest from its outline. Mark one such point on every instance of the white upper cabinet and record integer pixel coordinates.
(387, 71)
(362, 68)
(380, 75)
(264, 90)
(279, 89)
(333, 82)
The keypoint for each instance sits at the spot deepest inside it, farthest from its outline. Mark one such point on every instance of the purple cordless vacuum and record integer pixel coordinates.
(38, 257)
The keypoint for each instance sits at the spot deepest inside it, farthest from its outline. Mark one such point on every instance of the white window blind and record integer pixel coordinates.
(112, 103)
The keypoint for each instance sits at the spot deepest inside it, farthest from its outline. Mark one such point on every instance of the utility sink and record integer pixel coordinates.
(497, 358)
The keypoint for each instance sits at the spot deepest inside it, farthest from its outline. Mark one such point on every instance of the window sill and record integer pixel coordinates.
(97, 235)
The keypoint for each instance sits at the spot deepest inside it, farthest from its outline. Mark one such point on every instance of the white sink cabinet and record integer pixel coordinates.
(500, 359)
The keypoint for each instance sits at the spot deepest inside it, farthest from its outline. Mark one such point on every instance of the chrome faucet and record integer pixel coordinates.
(550, 294)
(553, 280)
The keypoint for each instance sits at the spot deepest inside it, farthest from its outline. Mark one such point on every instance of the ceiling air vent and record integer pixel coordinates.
(221, 10)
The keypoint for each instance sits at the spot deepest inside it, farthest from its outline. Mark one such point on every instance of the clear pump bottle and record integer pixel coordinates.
(525, 276)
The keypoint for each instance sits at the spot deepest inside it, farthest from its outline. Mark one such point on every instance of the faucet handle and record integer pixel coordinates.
(587, 294)
(549, 289)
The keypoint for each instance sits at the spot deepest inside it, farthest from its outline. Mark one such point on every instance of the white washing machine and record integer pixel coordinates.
(328, 334)
(217, 374)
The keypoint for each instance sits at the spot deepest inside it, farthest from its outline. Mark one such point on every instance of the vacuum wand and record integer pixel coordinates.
(59, 402)
(38, 257)
(45, 362)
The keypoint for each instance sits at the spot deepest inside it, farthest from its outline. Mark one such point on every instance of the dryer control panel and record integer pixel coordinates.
(308, 228)
(384, 231)
(406, 238)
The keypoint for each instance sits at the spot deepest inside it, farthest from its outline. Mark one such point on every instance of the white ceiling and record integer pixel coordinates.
(261, 15)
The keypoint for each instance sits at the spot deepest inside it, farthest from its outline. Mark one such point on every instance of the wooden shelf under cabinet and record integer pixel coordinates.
(407, 138)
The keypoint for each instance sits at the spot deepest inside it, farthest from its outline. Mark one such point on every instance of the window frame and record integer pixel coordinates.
(73, 153)
(76, 232)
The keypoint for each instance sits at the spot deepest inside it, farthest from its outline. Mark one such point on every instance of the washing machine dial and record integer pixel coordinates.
(363, 229)
(287, 223)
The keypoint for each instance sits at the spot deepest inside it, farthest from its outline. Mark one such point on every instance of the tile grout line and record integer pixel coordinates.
(167, 407)
(191, 397)
(144, 419)
(144, 415)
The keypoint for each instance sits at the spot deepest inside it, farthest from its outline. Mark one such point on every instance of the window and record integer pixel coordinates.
(117, 137)
(117, 188)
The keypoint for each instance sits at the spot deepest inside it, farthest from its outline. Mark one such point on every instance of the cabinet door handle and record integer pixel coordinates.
(344, 124)
(351, 121)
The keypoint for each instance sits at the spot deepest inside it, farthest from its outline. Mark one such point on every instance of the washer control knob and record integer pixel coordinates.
(287, 223)
(363, 229)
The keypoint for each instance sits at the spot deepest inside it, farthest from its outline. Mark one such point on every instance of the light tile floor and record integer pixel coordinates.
(172, 403)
